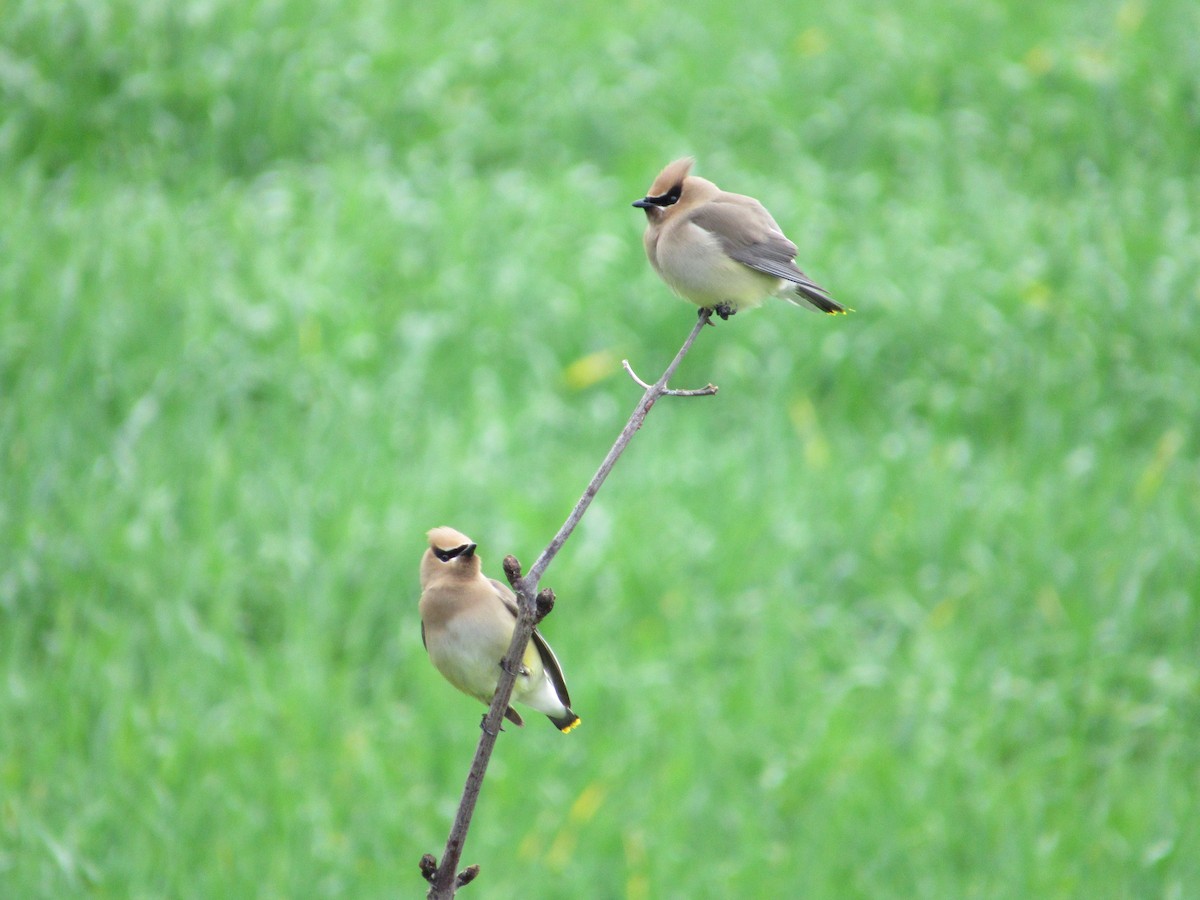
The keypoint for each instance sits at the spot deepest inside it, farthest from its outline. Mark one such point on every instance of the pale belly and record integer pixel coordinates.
(469, 658)
(701, 273)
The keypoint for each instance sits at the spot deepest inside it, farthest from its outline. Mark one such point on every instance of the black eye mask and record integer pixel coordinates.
(670, 198)
(447, 555)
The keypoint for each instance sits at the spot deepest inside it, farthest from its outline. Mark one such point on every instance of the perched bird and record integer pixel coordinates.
(721, 251)
(467, 623)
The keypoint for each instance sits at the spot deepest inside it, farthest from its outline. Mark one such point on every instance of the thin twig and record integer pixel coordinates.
(706, 391)
(445, 880)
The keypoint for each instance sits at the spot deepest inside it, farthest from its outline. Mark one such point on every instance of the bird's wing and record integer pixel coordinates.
(549, 661)
(423, 644)
(552, 668)
(505, 595)
(750, 235)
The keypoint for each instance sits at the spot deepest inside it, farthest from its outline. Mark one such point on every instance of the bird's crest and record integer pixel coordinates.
(670, 177)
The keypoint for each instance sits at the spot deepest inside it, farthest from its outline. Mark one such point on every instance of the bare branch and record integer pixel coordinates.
(653, 392)
(532, 606)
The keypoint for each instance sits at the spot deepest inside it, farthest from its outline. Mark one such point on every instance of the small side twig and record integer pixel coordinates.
(545, 603)
(706, 391)
(532, 607)
(429, 867)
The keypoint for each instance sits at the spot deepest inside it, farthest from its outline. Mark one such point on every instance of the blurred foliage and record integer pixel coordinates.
(908, 609)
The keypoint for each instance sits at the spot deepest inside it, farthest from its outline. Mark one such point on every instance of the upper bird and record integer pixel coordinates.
(721, 251)
(467, 623)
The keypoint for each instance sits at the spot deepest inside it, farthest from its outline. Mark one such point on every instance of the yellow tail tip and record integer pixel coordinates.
(566, 729)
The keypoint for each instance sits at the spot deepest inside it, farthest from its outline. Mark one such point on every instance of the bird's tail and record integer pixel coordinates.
(814, 296)
(565, 723)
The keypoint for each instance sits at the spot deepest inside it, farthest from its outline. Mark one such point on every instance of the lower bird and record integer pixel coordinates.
(467, 624)
(721, 251)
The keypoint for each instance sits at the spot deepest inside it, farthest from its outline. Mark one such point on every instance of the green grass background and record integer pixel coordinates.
(910, 609)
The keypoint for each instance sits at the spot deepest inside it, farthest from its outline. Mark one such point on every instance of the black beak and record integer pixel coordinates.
(644, 203)
(470, 551)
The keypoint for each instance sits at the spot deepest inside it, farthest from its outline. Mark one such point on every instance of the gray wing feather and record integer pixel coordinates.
(553, 669)
(507, 597)
(750, 235)
(549, 660)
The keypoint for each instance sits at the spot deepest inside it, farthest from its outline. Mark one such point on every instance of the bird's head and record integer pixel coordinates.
(674, 189)
(450, 551)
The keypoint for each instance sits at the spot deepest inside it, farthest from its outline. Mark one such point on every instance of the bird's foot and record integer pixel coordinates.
(521, 670)
(483, 726)
(725, 309)
(706, 313)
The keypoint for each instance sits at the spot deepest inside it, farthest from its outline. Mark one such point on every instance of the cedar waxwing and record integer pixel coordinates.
(721, 251)
(467, 623)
